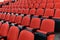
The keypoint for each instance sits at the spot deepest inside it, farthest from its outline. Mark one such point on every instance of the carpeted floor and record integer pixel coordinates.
(57, 36)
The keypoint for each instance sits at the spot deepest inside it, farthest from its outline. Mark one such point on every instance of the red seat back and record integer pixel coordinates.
(26, 21)
(18, 19)
(4, 29)
(47, 25)
(35, 23)
(13, 33)
(24, 35)
(32, 11)
(57, 13)
(49, 12)
(7, 17)
(40, 12)
(12, 18)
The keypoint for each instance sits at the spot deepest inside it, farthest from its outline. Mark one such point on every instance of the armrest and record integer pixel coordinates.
(47, 33)
(21, 27)
(42, 32)
(50, 33)
(40, 36)
(51, 37)
(7, 3)
(56, 17)
(32, 29)
(35, 29)
(3, 37)
(50, 17)
(43, 35)
(45, 16)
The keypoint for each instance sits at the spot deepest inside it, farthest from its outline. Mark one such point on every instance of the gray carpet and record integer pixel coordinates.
(57, 36)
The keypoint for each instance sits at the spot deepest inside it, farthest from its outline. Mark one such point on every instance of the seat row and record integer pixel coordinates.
(9, 32)
(23, 21)
(19, 26)
(27, 20)
(38, 1)
(36, 5)
(6, 2)
(34, 1)
(39, 12)
(39, 4)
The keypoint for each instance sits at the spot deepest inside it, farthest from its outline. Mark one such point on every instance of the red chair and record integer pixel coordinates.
(20, 11)
(57, 14)
(38, 1)
(42, 5)
(48, 13)
(56, 1)
(1, 9)
(4, 29)
(44, 1)
(47, 29)
(46, 23)
(36, 5)
(32, 11)
(39, 12)
(50, 5)
(21, 5)
(13, 10)
(26, 21)
(12, 18)
(7, 17)
(26, 11)
(0, 25)
(26, 5)
(24, 35)
(31, 5)
(3, 16)
(35, 23)
(57, 5)
(13, 33)
(50, 1)
(18, 19)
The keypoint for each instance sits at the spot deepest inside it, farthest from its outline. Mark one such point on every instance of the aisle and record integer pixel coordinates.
(57, 37)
